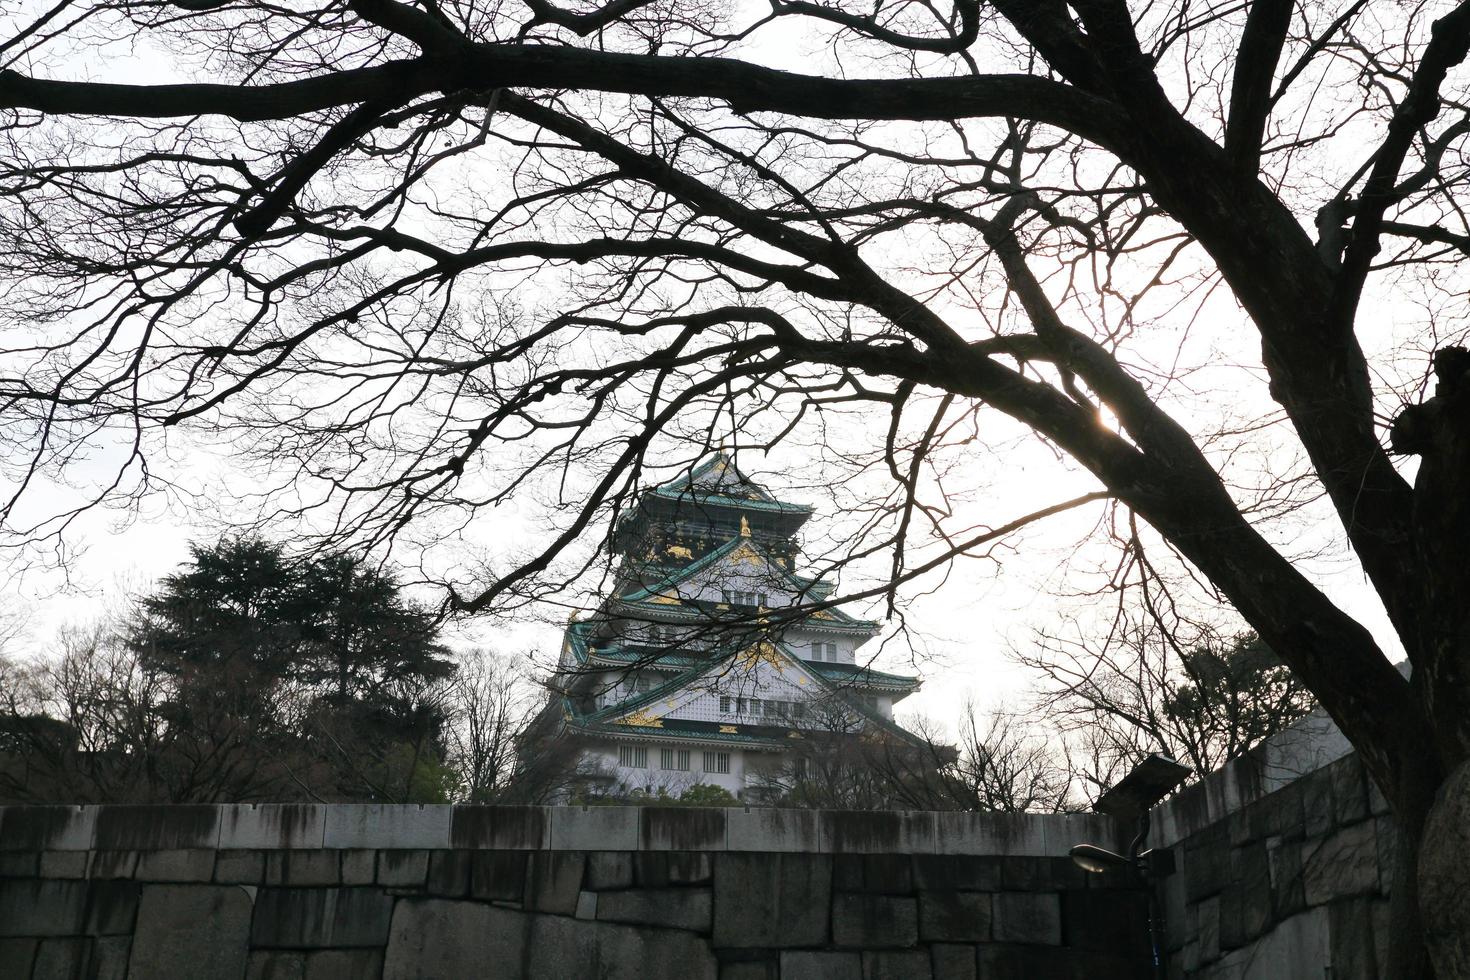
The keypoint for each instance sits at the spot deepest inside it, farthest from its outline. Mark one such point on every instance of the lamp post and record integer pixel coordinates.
(1132, 797)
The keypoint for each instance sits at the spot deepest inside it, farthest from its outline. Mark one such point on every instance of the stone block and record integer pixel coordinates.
(564, 947)
(498, 875)
(879, 874)
(1349, 790)
(109, 958)
(1385, 832)
(359, 866)
(17, 956)
(112, 908)
(813, 965)
(1350, 931)
(504, 828)
(23, 864)
(157, 828)
(669, 828)
(175, 865)
(1284, 864)
(343, 964)
(42, 907)
(62, 959)
(950, 916)
(403, 869)
(1341, 865)
(1209, 929)
(1041, 874)
(1245, 904)
(951, 961)
(433, 937)
(310, 918)
(272, 826)
(587, 905)
(957, 872)
(991, 833)
(877, 831)
(1297, 947)
(670, 908)
(1115, 922)
(1062, 830)
(660, 869)
(1377, 802)
(863, 920)
(112, 864)
(276, 964)
(1024, 917)
(751, 970)
(1281, 814)
(553, 881)
(387, 825)
(47, 828)
(191, 931)
(609, 869)
(772, 830)
(771, 900)
(302, 868)
(239, 867)
(594, 828)
(449, 873)
(1052, 963)
(1318, 809)
(64, 864)
(894, 964)
(1206, 863)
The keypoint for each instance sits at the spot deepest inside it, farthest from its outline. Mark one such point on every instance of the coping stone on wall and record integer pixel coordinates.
(501, 828)
(272, 826)
(991, 833)
(157, 827)
(671, 828)
(387, 825)
(773, 830)
(877, 831)
(48, 828)
(594, 828)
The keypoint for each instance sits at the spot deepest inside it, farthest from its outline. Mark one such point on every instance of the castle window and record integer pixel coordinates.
(674, 759)
(717, 762)
(633, 756)
(724, 705)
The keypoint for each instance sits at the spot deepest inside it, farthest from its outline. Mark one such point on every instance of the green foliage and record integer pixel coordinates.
(706, 794)
(321, 659)
(1237, 682)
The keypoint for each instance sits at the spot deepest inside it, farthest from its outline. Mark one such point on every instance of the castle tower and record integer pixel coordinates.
(713, 661)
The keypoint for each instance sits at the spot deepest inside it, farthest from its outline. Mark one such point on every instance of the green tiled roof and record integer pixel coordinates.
(604, 720)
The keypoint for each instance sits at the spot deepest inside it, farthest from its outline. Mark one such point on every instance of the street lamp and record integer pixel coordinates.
(1131, 798)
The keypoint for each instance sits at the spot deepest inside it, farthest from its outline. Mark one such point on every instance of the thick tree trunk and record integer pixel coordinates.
(1442, 879)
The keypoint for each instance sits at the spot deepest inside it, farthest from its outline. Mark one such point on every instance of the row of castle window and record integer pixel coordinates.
(736, 598)
(762, 708)
(824, 651)
(674, 760)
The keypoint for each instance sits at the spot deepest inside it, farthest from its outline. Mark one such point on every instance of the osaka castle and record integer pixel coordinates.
(713, 660)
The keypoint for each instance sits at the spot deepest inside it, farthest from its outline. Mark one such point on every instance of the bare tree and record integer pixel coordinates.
(1203, 695)
(489, 707)
(306, 240)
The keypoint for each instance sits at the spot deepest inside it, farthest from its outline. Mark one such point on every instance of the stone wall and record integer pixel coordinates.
(1282, 865)
(315, 892)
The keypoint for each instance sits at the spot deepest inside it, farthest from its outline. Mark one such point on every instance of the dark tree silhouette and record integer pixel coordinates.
(299, 230)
